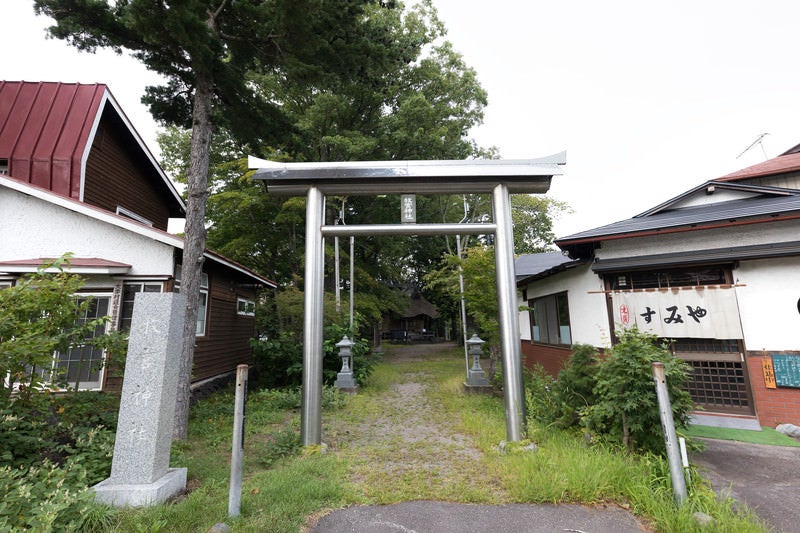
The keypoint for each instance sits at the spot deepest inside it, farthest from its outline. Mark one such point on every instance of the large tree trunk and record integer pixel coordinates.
(195, 243)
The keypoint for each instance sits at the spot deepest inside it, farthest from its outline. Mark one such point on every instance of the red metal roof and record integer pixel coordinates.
(44, 131)
(786, 162)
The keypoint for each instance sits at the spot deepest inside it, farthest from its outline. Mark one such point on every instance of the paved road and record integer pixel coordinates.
(441, 517)
(766, 478)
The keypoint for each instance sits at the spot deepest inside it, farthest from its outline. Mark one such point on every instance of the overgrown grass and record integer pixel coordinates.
(283, 487)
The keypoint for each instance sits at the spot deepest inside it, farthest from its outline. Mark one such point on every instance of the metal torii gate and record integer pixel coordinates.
(501, 178)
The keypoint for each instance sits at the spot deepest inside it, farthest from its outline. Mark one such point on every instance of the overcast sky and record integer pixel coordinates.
(648, 98)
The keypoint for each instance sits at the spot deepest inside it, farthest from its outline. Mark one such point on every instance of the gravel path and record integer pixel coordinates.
(407, 442)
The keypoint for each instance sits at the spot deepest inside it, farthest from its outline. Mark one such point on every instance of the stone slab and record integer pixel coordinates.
(141, 494)
(721, 421)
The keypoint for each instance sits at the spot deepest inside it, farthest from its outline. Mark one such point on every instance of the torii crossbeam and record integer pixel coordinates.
(501, 178)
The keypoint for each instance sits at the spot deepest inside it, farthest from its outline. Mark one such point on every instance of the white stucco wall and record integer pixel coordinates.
(700, 240)
(768, 298)
(587, 305)
(32, 228)
(720, 195)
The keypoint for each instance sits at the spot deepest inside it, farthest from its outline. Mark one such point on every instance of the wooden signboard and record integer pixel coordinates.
(769, 372)
(787, 370)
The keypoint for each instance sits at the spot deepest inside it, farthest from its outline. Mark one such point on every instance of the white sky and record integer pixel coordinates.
(648, 98)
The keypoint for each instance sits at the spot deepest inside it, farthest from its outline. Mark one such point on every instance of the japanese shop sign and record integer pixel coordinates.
(709, 313)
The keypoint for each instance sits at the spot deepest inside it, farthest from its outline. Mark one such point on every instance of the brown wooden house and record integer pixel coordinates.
(76, 177)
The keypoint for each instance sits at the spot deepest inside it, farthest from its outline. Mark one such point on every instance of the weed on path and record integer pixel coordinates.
(403, 433)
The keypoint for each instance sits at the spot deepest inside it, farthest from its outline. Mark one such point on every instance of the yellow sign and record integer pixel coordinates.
(769, 372)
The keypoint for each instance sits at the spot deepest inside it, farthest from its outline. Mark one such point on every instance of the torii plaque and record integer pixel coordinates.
(501, 178)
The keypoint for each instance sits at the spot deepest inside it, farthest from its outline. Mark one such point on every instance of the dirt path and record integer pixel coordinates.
(406, 442)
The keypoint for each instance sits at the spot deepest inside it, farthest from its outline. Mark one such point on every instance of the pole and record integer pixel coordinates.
(352, 280)
(336, 275)
(237, 448)
(670, 437)
(311, 410)
(508, 311)
(463, 303)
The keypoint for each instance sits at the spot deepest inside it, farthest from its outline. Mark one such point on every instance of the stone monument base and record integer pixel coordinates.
(141, 494)
(478, 389)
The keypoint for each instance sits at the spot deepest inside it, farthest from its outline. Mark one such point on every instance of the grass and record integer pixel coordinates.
(410, 434)
(765, 436)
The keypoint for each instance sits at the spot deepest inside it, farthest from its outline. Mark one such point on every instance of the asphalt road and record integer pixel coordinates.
(766, 478)
(442, 517)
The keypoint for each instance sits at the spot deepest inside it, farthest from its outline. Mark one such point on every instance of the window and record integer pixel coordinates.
(82, 366)
(550, 319)
(245, 307)
(662, 279)
(202, 308)
(3, 167)
(129, 291)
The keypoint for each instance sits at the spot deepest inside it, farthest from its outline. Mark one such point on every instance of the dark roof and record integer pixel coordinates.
(46, 129)
(418, 305)
(724, 212)
(710, 187)
(530, 264)
(535, 266)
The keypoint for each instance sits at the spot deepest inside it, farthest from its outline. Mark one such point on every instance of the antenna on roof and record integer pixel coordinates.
(759, 141)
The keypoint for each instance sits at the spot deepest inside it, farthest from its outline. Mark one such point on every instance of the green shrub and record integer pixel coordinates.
(574, 388)
(45, 498)
(57, 427)
(278, 360)
(626, 408)
(540, 397)
(283, 442)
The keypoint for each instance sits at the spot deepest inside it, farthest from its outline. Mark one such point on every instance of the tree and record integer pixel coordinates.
(626, 407)
(419, 102)
(532, 217)
(204, 49)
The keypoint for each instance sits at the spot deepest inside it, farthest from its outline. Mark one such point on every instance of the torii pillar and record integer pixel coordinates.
(501, 178)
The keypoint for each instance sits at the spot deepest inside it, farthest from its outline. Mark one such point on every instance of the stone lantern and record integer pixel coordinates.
(344, 379)
(476, 376)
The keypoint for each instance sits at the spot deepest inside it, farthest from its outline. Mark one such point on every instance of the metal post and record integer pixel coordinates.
(463, 303)
(311, 413)
(352, 282)
(237, 449)
(336, 275)
(670, 436)
(507, 311)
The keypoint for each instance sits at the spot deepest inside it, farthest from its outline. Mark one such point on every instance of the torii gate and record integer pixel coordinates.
(499, 177)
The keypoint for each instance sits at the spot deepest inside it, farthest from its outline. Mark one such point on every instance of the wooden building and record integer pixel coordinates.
(75, 177)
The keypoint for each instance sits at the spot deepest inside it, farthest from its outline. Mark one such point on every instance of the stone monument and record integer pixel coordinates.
(140, 473)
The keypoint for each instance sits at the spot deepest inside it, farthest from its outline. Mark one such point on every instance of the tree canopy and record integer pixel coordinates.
(206, 50)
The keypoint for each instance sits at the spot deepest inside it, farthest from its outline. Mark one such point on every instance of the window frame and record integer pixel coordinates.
(122, 303)
(543, 329)
(249, 307)
(201, 328)
(56, 360)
